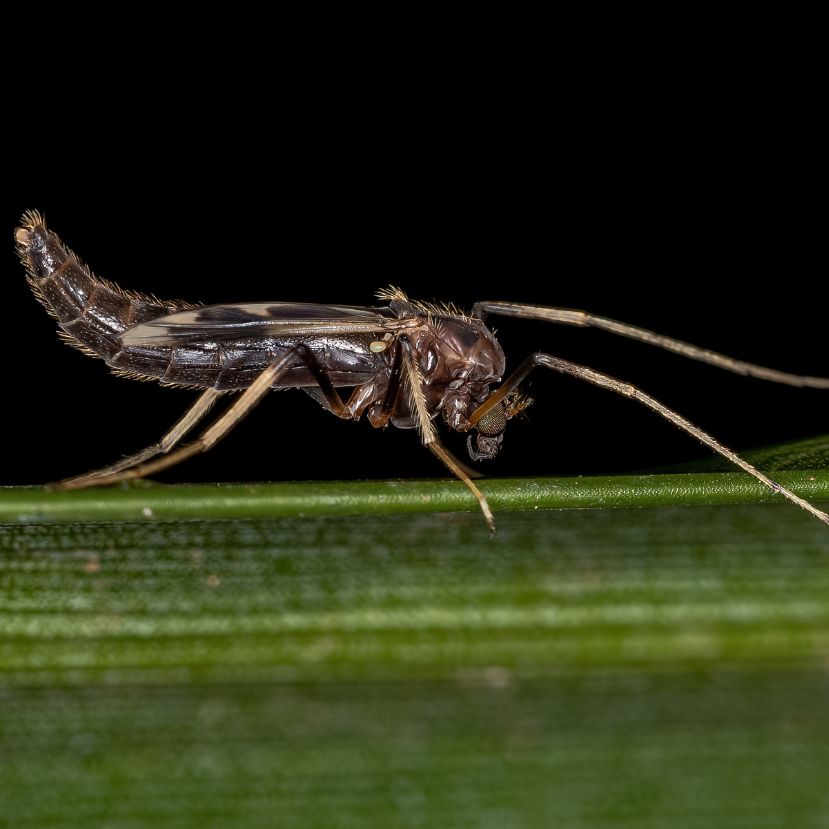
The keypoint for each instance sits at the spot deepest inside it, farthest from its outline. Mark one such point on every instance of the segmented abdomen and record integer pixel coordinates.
(92, 312)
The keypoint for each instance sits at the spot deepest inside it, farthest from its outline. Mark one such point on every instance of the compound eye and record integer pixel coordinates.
(493, 422)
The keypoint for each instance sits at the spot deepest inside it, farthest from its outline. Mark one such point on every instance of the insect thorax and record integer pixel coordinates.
(458, 358)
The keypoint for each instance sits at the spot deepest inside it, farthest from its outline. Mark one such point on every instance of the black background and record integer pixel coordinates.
(692, 214)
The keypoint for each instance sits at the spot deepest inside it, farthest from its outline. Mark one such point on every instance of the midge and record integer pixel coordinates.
(405, 362)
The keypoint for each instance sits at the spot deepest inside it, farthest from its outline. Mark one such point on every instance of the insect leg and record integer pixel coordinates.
(213, 434)
(429, 436)
(386, 409)
(627, 390)
(190, 419)
(333, 401)
(693, 352)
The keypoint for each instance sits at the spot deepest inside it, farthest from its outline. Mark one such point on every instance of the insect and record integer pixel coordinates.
(406, 363)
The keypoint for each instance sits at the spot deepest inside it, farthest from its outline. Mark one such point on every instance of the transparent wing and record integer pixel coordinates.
(215, 323)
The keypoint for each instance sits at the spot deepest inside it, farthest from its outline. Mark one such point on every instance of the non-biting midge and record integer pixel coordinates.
(406, 363)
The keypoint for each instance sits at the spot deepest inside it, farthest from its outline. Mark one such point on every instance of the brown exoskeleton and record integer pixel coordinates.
(405, 362)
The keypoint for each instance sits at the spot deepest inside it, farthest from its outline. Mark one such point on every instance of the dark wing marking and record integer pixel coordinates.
(216, 323)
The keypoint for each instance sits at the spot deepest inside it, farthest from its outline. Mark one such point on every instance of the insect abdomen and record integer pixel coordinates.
(92, 312)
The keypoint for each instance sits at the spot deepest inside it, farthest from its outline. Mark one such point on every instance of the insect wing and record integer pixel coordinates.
(217, 323)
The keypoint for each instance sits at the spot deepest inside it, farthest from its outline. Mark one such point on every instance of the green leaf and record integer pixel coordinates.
(309, 499)
(812, 453)
(320, 667)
